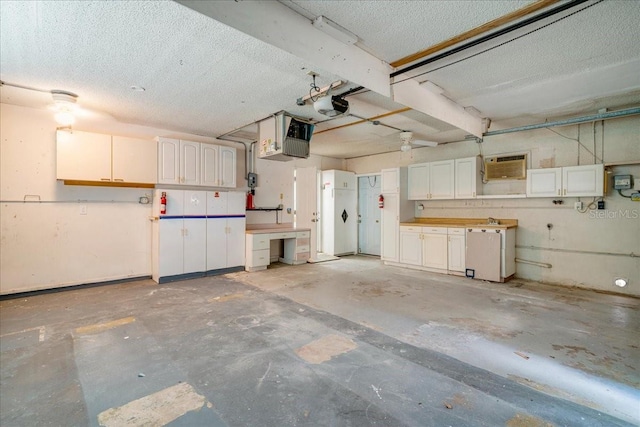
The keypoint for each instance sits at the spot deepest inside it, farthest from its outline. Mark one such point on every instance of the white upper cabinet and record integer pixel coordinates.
(544, 182)
(168, 161)
(570, 181)
(390, 181)
(194, 163)
(134, 160)
(441, 178)
(418, 181)
(210, 165)
(227, 167)
(583, 181)
(85, 156)
(468, 182)
(434, 180)
(189, 163)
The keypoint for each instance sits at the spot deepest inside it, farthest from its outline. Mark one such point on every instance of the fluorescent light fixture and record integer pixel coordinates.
(620, 282)
(339, 33)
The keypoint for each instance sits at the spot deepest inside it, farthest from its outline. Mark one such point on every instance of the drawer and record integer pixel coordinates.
(258, 258)
(278, 236)
(434, 230)
(410, 229)
(456, 231)
(302, 256)
(302, 241)
(302, 234)
(304, 248)
(258, 242)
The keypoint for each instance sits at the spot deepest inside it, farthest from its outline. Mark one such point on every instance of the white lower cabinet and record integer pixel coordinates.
(201, 232)
(456, 249)
(411, 245)
(424, 246)
(434, 247)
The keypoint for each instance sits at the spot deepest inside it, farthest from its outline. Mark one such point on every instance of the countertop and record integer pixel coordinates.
(273, 228)
(461, 223)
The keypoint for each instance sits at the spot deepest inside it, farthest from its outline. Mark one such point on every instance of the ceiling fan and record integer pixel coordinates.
(407, 141)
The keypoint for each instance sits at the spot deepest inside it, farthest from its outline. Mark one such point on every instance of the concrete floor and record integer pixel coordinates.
(342, 343)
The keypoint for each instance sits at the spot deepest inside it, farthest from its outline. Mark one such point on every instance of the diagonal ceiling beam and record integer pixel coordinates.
(412, 94)
(276, 24)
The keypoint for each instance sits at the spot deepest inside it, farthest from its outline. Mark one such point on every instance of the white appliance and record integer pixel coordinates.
(491, 253)
(339, 213)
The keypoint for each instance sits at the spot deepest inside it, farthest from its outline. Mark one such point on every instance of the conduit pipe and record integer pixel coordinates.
(573, 121)
(539, 264)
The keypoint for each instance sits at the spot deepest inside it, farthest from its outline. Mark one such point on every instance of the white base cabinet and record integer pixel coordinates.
(201, 232)
(424, 247)
(456, 250)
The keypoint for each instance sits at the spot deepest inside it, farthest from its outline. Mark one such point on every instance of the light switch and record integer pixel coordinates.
(83, 209)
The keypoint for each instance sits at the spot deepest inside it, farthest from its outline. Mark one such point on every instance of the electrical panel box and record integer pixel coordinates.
(622, 182)
(252, 180)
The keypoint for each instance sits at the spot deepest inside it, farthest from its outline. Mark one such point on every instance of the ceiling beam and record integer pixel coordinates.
(412, 94)
(474, 32)
(274, 23)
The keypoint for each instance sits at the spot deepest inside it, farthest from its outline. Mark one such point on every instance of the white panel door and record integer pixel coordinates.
(434, 251)
(217, 202)
(189, 163)
(236, 242)
(441, 179)
(195, 202)
(195, 245)
(168, 161)
(83, 156)
(390, 180)
(544, 182)
(466, 178)
(583, 181)
(368, 215)
(418, 181)
(410, 248)
(170, 247)
(306, 204)
(134, 160)
(236, 203)
(390, 228)
(216, 243)
(227, 167)
(457, 251)
(210, 167)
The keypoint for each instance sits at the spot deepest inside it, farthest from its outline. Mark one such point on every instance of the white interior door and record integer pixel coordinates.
(306, 213)
(369, 215)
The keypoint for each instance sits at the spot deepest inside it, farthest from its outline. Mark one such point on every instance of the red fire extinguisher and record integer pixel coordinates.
(250, 200)
(381, 201)
(163, 203)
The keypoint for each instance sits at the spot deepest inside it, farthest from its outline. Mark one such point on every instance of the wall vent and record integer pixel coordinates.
(505, 167)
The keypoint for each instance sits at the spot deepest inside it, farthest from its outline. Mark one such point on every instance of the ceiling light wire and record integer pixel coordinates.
(314, 88)
(498, 45)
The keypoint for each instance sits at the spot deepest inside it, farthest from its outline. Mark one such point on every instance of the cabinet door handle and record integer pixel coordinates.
(558, 191)
(565, 191)
(105, 179)
(118, 179)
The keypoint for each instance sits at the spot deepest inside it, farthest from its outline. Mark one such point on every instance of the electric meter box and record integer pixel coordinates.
(622, 182)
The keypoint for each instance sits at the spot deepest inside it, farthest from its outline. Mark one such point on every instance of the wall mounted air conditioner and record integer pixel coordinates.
(505, 167)
(283, 137)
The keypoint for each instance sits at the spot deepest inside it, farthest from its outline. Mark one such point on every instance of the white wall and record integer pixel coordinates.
(275, 178)
(586, 250)
(49, 244)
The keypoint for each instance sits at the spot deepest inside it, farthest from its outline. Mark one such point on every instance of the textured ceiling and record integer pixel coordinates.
(205, 78)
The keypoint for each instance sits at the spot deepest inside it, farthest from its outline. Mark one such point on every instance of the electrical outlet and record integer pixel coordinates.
(577, 206)
(83, 209)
